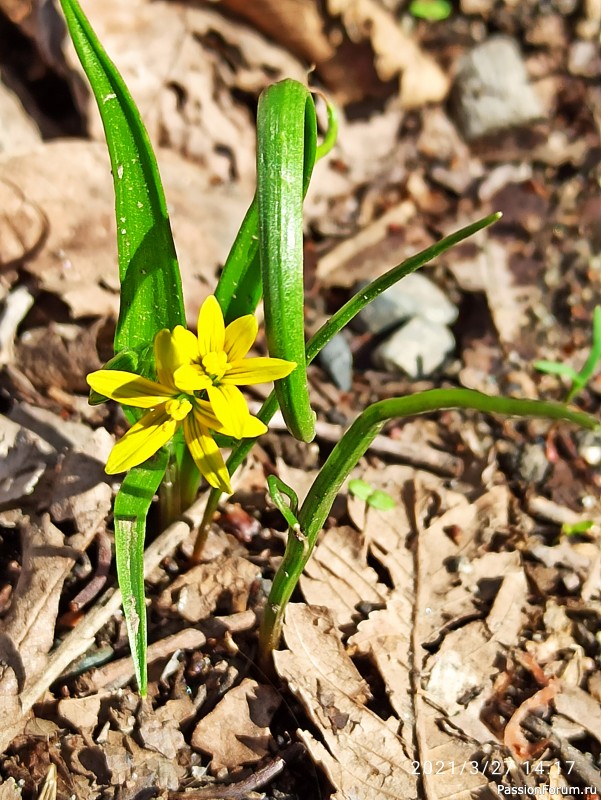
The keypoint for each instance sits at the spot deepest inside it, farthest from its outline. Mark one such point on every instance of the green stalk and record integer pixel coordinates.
(327, 331)
(345, 456)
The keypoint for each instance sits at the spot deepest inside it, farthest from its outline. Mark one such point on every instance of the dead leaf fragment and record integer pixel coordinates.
(22, 224)
(362, 755)
(195, 595)
(421, 79)
(242, 719)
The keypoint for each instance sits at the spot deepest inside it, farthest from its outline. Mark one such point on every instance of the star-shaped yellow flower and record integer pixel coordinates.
(216, 364)
(174, 401)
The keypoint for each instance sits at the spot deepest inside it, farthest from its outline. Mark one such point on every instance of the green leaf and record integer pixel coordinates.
(586, 373)
(239, 289)
(131, 508)
(431, 10)
(576, 528)
(556, 368)
(360, 488)
(151, 293)
(381, 500)
(286, 144)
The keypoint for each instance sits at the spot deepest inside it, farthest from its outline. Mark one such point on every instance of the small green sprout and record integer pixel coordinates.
(376, 498)
(431, 10)
(578, 379)
(576, 528)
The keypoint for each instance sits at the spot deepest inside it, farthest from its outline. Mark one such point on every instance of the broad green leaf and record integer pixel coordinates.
(286, 144)
(239, 289)
(131, 508)
(151, 294)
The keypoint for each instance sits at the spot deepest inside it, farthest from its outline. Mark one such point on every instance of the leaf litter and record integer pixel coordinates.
(459, 629)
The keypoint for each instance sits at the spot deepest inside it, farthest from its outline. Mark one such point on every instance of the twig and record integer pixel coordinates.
(82, 637)
(583, 769)
(93, 588)
(240, 789)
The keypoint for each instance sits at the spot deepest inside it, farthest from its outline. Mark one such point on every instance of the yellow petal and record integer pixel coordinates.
(206, 416)
(211, 329)
(247, 371)
(129, 389)
(191, 378)
(253, 427)
(141, 441)
(239, 337)
(206, 454)
(172, 350)
(230, 409)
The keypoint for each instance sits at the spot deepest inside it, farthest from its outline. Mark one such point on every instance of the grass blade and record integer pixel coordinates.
(151, 293)
(131, 509)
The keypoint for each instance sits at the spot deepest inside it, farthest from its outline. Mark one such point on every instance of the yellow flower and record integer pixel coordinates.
(215, 362)
(174, 402)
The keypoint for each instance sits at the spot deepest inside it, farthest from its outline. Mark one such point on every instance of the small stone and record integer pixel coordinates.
(533, 463)
(413, 296)
(589, 447)
(417, 349)
(492, 91)
(336, 359)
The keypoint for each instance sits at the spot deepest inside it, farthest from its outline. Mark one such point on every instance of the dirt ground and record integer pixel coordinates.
(447, 647)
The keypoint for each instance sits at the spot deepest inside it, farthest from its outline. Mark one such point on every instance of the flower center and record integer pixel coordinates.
(178, 408)
(215, 365)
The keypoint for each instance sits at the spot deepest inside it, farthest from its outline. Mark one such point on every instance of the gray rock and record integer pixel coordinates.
(417, 349)
(492, 91)
(337, 360)
(413, 296)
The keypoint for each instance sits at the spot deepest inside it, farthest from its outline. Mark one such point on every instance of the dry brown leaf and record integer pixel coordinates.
(10, 791)
(242, 718)
(421, 79)
(183, 66)
(508, 302)
(368, 254)
(196, 594)
(337, 576)
(28, 627)
(78, 260)
(22, 223)
(362, 754)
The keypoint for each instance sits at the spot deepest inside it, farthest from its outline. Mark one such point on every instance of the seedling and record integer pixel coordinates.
(431, 10)
(376, 498)
(580, 379)
(180, 391)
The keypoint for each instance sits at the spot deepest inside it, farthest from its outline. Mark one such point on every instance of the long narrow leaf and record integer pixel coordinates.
(151, 293)
(286, 144)
(131, 509)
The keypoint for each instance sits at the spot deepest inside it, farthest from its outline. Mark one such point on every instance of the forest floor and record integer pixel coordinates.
(448, 646)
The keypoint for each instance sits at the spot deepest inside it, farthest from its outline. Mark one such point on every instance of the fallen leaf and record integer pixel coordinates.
(242, 718)
(196, 594)
(28, 626)
(361, 754)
